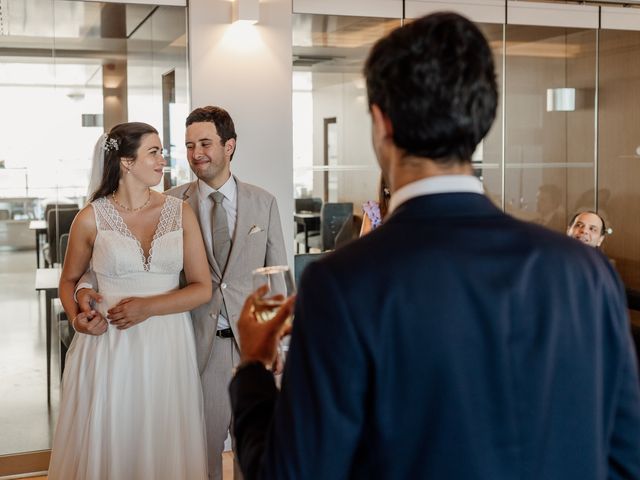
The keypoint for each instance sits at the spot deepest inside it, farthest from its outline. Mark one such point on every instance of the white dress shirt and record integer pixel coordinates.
(433, 185)
(230, 205)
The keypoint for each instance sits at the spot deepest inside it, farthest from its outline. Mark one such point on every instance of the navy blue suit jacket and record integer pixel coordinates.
(453, 342)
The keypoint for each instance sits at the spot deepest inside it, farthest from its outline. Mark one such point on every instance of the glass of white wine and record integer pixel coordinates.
(279, 284)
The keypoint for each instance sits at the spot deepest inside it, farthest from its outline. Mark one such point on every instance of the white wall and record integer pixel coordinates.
(248, 72)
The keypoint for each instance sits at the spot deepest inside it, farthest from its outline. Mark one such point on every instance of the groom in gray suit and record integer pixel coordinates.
(248, 238)
(241, 228)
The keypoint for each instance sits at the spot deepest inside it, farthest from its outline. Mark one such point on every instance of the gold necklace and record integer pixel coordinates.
(115, 200)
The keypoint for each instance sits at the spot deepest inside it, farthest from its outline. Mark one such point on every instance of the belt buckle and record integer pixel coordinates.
(224, 333)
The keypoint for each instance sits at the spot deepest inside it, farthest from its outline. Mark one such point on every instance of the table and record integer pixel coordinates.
(40, 227)
(47, 280)
(309, 221)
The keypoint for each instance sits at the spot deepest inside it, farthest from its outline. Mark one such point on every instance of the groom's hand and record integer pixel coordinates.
(90, 323)
(87, 298)
(259, 340)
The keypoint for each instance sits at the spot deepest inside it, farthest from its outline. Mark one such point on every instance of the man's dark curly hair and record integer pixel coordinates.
(435, 80)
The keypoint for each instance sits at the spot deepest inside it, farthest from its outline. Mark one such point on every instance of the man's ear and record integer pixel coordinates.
(230, 146)
(381, 122)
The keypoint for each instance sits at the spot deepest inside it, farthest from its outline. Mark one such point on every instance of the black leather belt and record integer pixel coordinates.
(224, 333)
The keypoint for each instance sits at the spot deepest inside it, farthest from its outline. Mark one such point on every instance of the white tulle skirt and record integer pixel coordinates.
(131, 406)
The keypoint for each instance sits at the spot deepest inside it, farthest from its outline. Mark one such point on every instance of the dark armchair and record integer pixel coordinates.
(332, 218)
(58, 223)
(307, 227)
(350, 231)
(309, 204)
(301, 261)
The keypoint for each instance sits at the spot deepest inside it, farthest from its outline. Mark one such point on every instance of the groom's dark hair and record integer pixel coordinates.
(219, 117)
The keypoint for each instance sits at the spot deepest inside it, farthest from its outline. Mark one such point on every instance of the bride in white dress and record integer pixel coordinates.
(131, 404)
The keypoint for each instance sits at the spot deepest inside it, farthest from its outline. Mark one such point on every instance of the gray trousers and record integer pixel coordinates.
(217, 407)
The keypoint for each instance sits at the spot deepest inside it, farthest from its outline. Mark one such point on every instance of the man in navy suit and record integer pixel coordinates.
(454, 341)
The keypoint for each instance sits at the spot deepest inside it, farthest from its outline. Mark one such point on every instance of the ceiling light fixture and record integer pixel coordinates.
(246, 11)
(561, 99)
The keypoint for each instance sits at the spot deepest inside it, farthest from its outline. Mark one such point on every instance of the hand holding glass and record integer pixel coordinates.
(279, 285)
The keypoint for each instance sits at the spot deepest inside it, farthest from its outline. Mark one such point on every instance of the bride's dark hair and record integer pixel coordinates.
(122, 141)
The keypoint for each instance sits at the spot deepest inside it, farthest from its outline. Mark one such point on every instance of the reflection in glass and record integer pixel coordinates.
(549, 146)
(68, 71)
(330, 159)
(333, 156)
(331, 127)
(619, 150)
(487, 159)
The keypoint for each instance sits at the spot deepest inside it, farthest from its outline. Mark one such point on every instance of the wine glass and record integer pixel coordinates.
(279, 284)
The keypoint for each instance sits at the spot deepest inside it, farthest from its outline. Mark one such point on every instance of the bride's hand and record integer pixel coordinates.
(129, 312)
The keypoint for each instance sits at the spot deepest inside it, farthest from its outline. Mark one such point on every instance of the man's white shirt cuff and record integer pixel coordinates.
(79, 287)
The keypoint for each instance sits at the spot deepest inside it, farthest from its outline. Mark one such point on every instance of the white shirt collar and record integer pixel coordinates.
(433, 185)
(228, 189)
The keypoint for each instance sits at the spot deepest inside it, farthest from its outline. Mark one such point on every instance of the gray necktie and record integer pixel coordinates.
(220, 236)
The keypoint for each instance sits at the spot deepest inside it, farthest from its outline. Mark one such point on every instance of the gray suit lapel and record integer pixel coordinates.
(191, 197)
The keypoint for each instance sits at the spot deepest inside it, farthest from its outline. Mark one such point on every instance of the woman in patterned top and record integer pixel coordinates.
(374, 212)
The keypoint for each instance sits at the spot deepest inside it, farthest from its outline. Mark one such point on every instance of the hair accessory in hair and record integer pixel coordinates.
(110, 144)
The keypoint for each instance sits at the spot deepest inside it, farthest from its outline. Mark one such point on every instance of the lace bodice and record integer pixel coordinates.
(118, 253)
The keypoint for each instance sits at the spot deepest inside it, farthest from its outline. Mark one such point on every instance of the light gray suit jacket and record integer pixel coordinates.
(257, 242)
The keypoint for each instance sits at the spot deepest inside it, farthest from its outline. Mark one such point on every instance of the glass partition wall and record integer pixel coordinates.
(333, 157)
(69, 70)
(550, 128)
(565, 138)
(618, 195)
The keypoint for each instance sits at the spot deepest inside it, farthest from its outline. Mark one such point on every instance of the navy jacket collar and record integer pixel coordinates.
(445, 205)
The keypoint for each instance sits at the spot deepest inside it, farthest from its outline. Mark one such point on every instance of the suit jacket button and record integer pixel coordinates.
(223, 285)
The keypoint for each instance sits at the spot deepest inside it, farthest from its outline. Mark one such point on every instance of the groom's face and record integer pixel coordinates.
(208, 157)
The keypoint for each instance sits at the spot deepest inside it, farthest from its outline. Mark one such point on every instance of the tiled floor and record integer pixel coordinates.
(26, 418)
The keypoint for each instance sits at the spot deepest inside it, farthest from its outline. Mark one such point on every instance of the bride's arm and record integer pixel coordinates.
(198, 290)
(81, 238)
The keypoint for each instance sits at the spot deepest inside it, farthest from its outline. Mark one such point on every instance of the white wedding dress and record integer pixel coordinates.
(131, 404)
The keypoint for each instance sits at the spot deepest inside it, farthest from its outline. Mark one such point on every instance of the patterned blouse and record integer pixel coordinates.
(372, 210)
